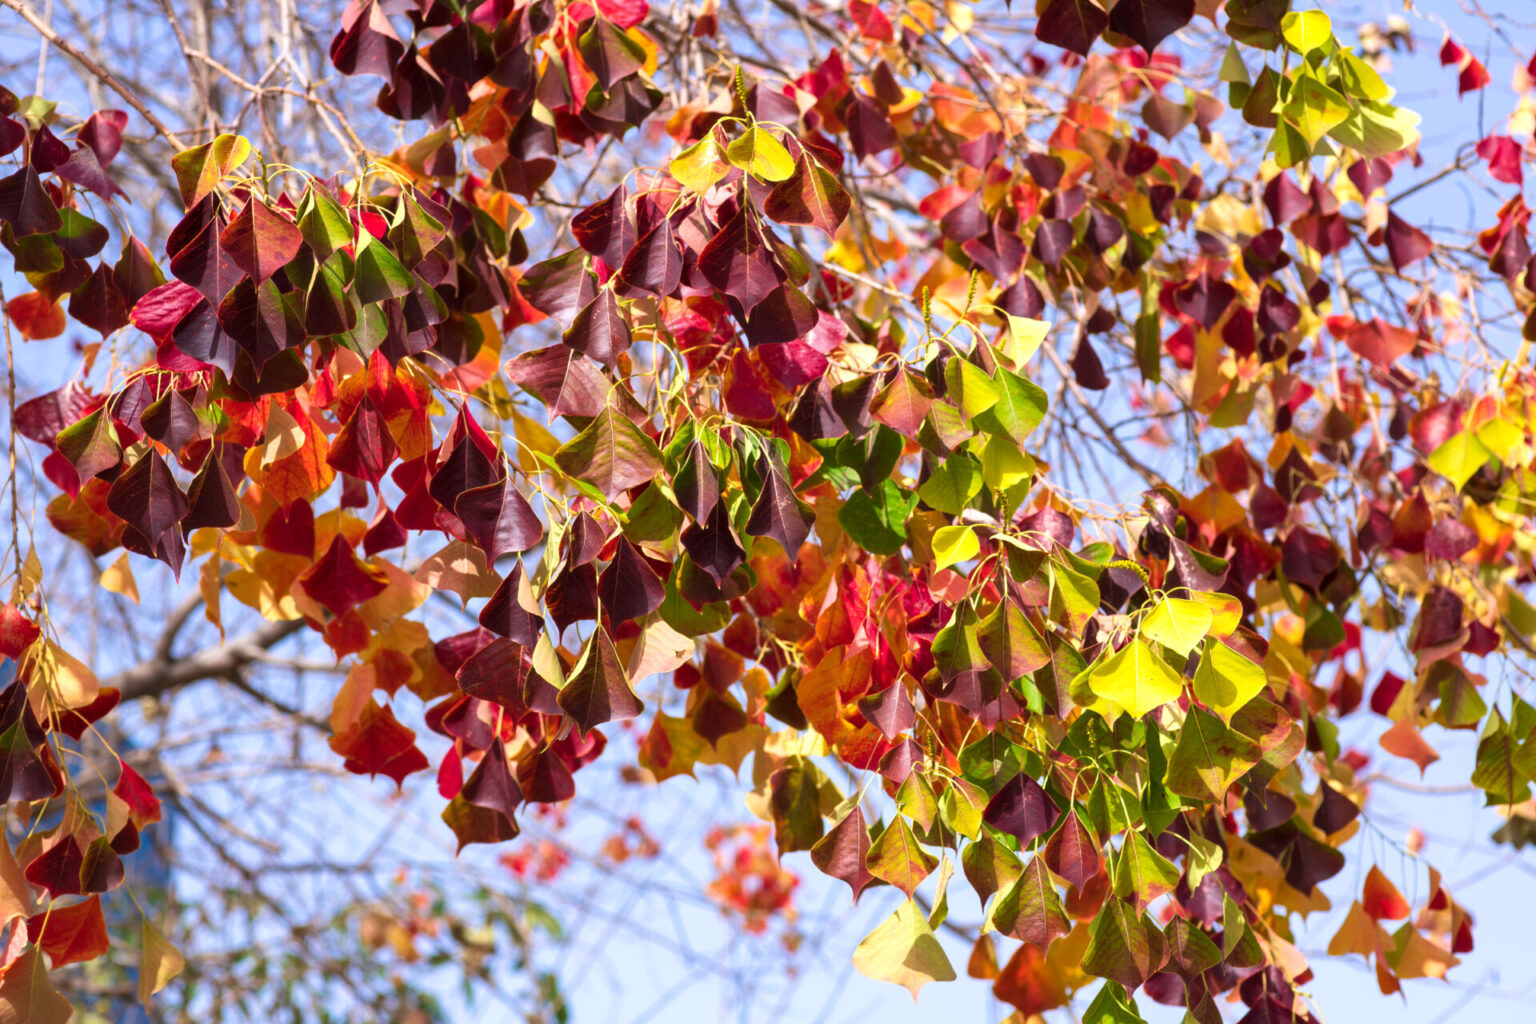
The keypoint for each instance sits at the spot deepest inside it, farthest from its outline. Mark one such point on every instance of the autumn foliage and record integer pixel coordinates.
(797, 451)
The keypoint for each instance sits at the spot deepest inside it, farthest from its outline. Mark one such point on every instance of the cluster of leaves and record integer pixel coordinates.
(815, 509)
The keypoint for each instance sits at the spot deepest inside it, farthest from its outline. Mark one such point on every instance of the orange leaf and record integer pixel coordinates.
(1404, 740)
(35, 316)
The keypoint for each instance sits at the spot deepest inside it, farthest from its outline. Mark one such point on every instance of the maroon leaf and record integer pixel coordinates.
(600, 330)
(567, 382)
(260, 240)
(98, 304)
(25, 205)
(1406, 244)
(1022, 809)
(1072, 852)
(696, 485)
(712, 545)
(1052, 240)
(778, 513)
(598, 690)
(654, 266)
(498, 518)
(842, 851)
(512, 611)
(1072, 24)
(738, 261)
(366, 43)
(629, 588)
(202, 262)
(211, 500)
(811, 195)
(1149, 22)
(559, 286)
(145, 496)
(263, 321)
(171, 420)
(869, 127)
(604, 230)
(492, 787)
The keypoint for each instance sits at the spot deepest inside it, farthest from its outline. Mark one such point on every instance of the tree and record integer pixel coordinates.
(766, 385)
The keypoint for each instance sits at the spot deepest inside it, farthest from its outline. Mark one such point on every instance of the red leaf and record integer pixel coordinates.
(143, 805)
(1472, 78)
(1381, 899)
(1503, 156)
(377, 744)
(70, 935)
(338, 581)
(17, 632)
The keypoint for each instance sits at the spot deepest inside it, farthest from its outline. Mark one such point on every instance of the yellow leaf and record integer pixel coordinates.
(118, 579)
(701, 164)
(760, 154)
(284, 436)
(161, 962)
(460, 569)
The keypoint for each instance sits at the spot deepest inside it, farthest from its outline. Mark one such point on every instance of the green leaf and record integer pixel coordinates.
(877, 520)
(1142, 875)
(758, 153)
(898, 858)
(1305, 31)
(903, 950)
(1019, 408)
(1123, 946)
(1023, 338)
(1204, 857)
(1136, 679)
(1314, 108)
(611, 454)
(1377, 129)
(1177, 624)
(971, 388)
(1112, 1006)
(1208, 757)
(953, 545)
(1359, 79)
(1031, 908)
(200, 169)
(1225, 680)
(953, 485)
(379, 275)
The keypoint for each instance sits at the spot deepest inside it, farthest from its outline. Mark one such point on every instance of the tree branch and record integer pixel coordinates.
(106, 77)
(163, 672)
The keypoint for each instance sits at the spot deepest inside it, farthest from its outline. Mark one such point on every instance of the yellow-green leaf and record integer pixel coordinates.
(1177, 624)
(1226, 680)
(701, 164)
(954, 544)
(758, 153)
(903, 950)
(1136, 679)
(1305, 31)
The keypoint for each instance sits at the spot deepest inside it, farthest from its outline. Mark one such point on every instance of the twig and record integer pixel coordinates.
(106, 77)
